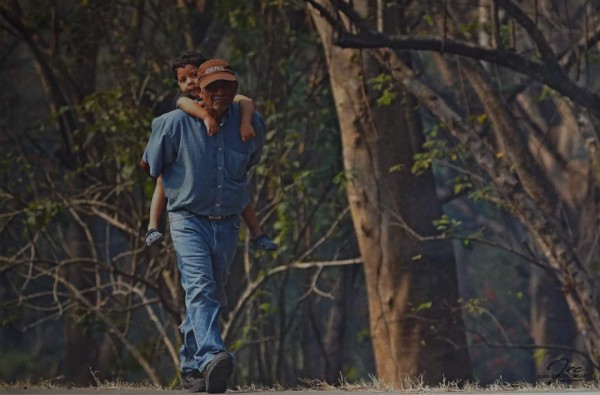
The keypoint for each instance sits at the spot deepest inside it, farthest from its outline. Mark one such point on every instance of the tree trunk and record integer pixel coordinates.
(551, 320)
(561, 154)
(411, 284)
(576, 282)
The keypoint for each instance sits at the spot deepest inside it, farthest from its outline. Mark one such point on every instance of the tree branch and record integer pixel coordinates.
(254, 286)
(367, 38)
(546, 52)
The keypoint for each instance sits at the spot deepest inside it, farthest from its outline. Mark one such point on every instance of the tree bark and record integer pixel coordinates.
(577, 284)
(412, 285)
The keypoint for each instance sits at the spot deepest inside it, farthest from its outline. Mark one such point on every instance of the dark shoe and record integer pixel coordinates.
(153, 236)
(193, 381)
(217, 373)
(263, 242)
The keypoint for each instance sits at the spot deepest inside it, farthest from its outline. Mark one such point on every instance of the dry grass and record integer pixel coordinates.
(370, 384)
(416, 385)
(59, 383)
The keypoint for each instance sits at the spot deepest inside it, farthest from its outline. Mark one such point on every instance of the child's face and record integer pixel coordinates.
(187, 79)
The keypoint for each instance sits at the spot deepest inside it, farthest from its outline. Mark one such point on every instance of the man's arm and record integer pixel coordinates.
(247, 109)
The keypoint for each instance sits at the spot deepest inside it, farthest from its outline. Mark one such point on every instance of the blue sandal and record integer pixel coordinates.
(153, 236)
(263, 242)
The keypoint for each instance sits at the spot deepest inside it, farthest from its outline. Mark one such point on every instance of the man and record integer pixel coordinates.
(204, 179)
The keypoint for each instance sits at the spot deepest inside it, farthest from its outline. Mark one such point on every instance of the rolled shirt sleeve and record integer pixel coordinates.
(161, 150)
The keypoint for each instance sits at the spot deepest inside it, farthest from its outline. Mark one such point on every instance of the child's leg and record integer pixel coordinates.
(249, 216)
(259, 239)
(157, 207)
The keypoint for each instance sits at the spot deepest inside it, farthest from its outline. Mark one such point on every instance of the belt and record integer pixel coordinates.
(216, 217)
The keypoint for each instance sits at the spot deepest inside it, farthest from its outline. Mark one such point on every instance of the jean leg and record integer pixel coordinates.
(189, 347)
(193, 239)
(226, 238)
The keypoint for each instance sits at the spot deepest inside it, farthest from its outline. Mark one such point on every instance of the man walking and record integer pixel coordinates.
(204, 179)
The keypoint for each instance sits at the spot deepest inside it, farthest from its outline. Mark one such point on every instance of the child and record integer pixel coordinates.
(185, 69)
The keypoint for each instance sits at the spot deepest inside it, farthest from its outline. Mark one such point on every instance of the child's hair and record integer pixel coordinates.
(189, 57)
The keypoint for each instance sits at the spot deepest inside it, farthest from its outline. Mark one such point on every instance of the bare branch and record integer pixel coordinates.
(370, 39)
(254, 286)
(546, 52)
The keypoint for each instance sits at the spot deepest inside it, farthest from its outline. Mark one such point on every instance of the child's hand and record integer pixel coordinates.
(247, 132)
(212, 127)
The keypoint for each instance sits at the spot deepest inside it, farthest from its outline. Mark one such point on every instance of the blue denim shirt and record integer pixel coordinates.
(203, 174)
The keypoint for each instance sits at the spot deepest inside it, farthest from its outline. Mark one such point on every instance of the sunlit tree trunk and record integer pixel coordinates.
(526, 197)
(411, 284)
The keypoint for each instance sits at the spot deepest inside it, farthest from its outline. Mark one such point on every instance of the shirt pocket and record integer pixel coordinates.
(236, 165)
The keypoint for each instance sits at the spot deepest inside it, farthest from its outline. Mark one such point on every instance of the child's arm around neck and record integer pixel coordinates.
(247, 109)
(193, 108)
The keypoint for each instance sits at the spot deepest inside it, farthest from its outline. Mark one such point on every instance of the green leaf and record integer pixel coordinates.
(237, 345)
(396, 167)
(539, 356)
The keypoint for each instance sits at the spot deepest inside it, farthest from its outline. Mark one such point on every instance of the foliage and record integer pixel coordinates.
(74, 197)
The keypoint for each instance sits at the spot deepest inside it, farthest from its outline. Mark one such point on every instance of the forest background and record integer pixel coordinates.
(431, 174)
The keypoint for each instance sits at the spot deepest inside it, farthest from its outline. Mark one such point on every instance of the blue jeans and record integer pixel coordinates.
(205, 250)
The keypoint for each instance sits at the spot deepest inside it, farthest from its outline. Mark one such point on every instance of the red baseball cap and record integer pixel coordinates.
(215, 70)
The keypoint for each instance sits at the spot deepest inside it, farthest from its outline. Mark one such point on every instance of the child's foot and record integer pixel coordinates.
(263, 242)
(153, 236)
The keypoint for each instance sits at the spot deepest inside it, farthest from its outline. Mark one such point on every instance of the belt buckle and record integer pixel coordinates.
(215, 217)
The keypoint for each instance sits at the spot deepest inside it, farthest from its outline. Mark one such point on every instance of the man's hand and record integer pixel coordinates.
(247, 132)
(212, 127)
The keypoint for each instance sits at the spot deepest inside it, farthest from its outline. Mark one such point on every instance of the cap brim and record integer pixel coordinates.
(216, 77)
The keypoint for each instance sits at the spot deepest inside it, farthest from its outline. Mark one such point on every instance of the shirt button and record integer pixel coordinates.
(220, 149)
(217, 204)
(219, 167)
(218, 186)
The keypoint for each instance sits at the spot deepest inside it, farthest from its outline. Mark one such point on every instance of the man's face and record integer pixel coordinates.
(219, 95)
(187, 79)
